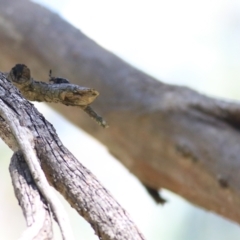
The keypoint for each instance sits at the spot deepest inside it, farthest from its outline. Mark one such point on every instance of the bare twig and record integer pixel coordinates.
(25, 141)
(67, 94)
(61, 91)
(95, 116)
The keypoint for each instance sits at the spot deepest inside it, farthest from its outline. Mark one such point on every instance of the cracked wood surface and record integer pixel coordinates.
(167, 136)
(65, 173)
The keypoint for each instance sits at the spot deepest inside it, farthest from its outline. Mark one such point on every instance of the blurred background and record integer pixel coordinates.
(191, 43)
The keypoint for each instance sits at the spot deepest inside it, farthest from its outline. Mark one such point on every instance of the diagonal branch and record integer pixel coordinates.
(25, 141)
(34, 206)
(192, 145)
(67, 94)
(63, 171)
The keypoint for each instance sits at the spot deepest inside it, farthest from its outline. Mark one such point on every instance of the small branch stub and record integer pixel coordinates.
(48, 159)
(58, 90)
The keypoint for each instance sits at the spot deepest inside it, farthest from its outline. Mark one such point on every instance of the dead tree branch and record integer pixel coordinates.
(192, 145)
(59, 92)
(34, 206)
(63, 171)
(25, 141)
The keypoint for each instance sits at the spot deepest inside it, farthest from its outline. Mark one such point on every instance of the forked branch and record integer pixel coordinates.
(63, 171)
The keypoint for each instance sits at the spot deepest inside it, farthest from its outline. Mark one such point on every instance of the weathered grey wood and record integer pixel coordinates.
(67, 94)
(34, 207)
(167, 136)
(25, 142)
(64, 172)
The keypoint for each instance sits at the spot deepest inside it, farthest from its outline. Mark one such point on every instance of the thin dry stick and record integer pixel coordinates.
(91, 113)
(25, 141)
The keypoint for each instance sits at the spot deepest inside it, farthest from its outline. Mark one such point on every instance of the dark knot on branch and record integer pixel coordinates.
(20, 76)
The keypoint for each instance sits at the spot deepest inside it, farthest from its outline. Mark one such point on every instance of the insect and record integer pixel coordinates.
(56, 80)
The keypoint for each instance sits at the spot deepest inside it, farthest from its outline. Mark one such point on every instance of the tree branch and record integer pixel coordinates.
(67, 94)
(192, 142)
(35, 208)
(60, 92)
(25, 141)
(79, 187)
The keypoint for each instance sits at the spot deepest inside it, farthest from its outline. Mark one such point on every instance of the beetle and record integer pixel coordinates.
(57, 80)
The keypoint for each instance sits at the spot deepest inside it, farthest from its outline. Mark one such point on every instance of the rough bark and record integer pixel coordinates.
(167, 136)
(24, 137)
(55, 91)
(63, 171)
(35, 208)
